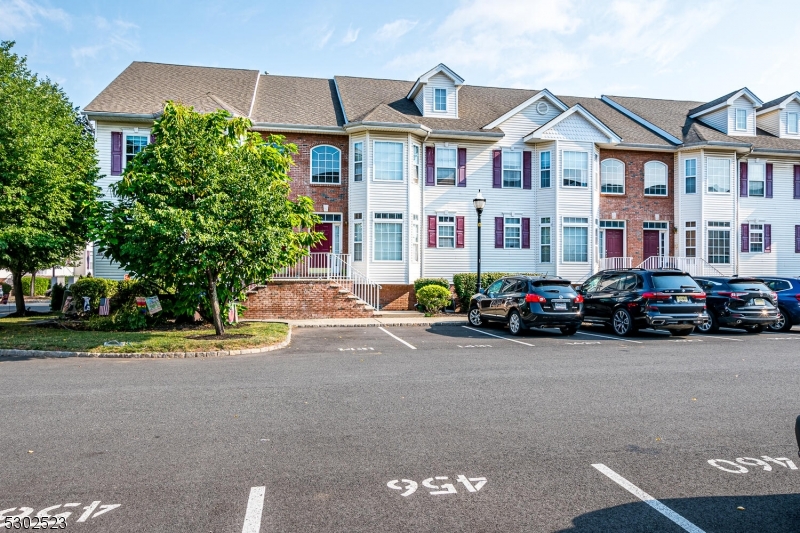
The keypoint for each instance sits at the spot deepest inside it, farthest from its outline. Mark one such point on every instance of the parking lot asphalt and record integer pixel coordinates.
(445, 428)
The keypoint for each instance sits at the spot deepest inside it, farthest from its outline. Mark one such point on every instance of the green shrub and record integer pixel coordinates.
(129, 289)
(42, 284)
(6, 288)
(466, 283)
(94, 288)
(129, 318)
(424, 282)
(433, 298)
(57, 297)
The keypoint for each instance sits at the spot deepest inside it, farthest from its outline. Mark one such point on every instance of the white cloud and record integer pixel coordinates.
(115, 36)
(18, 16)
(325, 38)
(394, 30)
(351, 36)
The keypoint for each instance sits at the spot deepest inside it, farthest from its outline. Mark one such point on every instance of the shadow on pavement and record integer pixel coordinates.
(773, 513)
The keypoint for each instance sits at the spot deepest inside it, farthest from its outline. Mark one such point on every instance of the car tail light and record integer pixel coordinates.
(734, 295)
(797, 297)
(655, 296)
(701, 296)
(774, 296)
(579, 299)
(535, 299)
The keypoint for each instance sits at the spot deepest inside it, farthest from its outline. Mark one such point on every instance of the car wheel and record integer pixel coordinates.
(475, 318)
(754, 329)
(514, 323)
(782, 325)
(569, 330)
(711, 326)
(623, 323)
(682, 332)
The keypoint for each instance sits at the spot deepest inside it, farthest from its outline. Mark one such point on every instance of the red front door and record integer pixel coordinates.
(651, 246)
(325, 246)
(614, 245)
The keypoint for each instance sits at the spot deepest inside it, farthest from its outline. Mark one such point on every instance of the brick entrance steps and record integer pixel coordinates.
(295, 299)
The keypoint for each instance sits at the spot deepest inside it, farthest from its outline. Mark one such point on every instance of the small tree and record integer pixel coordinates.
(47, 173)
(205, 210)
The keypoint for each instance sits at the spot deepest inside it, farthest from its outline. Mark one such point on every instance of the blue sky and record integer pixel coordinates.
(695, 50)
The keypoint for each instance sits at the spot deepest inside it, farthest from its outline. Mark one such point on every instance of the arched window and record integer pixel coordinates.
(612, 177)
(326, 163)
(655, 178)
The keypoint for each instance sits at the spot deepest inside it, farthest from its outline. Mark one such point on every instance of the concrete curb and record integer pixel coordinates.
(383, 324)
(154, 355)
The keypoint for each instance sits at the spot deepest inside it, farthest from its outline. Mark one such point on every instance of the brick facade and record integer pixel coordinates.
(398, 297)
(302, 299)
(634, 207)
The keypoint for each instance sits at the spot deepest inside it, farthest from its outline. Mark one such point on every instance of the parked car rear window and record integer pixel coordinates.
(778, 284)
(673, 281)
(744, 285)
(552, 283)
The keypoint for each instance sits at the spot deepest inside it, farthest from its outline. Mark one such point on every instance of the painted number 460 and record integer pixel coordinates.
(436, 485)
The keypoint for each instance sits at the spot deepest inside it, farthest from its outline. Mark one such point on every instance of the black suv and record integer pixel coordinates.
(528, 302)
(739, 302)
(634, 298)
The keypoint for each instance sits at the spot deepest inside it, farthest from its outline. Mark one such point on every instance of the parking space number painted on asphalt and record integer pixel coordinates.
(766, 463)
(437, 485)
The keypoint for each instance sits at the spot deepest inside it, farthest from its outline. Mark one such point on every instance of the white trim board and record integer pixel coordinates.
(544, 93)
(613, 138)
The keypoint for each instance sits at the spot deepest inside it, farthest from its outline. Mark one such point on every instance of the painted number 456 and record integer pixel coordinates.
(436, 485)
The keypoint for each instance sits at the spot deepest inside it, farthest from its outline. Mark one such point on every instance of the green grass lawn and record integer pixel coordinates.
(20, 334)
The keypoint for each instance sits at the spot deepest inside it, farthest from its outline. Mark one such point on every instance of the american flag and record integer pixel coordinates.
(104, 304)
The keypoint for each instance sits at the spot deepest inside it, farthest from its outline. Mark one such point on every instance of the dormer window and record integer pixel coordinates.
(741, 119)
(791, 123)
(440, 99)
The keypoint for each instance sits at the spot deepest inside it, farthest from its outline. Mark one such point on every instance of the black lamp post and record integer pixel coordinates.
(479, 201)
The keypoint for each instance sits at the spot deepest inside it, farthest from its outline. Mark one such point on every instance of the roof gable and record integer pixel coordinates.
(441, 68)
(724, 101)
(778, 103)
(544, 93)
(576, 110)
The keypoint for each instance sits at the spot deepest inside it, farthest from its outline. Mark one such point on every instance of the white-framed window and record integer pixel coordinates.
(690, 243)
(387, 161)
(575, 169)
(446, 232)
(358, 237)
(655, 178)
(440, 99)
(512, 229)
(133, 145)
(719, 175)
(756, 238)
(416, 162)
(415, 237)
(791, 123)
(545, 240)
(612, 176)
(358, 161)
(741, 119)
(512, 169)
(575, 240)
(446, 161)
(388, 236)
(755, 179)
(719, 243)
(690, 175)
(325, 164)
(544, 170)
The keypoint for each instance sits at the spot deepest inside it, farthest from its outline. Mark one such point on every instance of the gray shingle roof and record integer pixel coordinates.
(143, 87)
(776, 101)
(712, 103)
(629, 130)
(295, 100)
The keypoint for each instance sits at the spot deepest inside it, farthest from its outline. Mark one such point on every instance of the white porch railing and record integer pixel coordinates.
(613, 263)
(337, 268)
(694, 266)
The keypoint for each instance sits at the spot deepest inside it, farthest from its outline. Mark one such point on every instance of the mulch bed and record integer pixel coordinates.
(223, 337)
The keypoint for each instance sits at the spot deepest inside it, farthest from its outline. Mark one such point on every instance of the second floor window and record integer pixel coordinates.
(755, 179)
(612, 177)
(445, 166)
(325, 164)
(690, 166)
(416, 164)
(576, 169)
(358, 161)
(655, 179)
(388, 161)
(133, 145)
(440, 99)
(512, 169)
(544, 170)
(719, 175)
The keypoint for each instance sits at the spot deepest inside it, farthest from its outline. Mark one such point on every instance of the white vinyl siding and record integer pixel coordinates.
(428, 100)
(612, 177)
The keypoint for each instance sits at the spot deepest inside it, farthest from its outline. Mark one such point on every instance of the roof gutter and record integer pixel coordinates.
(643, 146)
(298, 128)
(715, 144)
(469, 135)
(125, 117)
(777, 151)
(354, 127)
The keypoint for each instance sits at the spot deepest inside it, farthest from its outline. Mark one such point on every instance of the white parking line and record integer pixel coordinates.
(715, 337)
(396, 337)
(497, 336)
(649, 500)
(608, 337)
(255, 506)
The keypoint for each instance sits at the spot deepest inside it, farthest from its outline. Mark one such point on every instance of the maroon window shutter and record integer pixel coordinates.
(462, 167)
(797, 182)
(745, 237)
(768, 184)
(526, 232)
(797, 239)
(497, 169)
(526, 170)
(116, 153)
(459, 232)
(499, 238)
(768, 238)
(430, 166)
(742, 179)
(152, 138)
(431, 231)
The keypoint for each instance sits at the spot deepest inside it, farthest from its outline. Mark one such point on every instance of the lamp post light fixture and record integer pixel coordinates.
(479, 201)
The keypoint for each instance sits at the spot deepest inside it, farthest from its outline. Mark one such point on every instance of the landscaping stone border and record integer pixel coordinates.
(149, 355)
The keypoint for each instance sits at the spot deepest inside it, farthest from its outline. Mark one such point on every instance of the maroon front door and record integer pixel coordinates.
(614, 242)
(325, 246)
(650, 241)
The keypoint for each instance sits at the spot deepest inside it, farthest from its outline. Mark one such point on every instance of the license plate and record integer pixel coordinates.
(758, 301)
(681, 299)
(560, 306)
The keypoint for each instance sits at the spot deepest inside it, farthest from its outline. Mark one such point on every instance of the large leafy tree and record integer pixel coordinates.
(47, 173)
(205, 210)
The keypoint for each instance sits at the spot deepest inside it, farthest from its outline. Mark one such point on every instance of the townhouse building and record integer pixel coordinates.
(573, 185)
